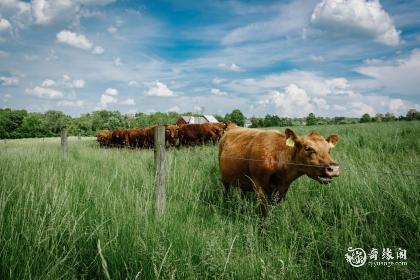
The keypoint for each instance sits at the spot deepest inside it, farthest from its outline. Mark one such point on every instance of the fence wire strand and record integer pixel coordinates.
(289, 163)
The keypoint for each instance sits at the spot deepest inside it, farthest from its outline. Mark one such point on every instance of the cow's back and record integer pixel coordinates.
(247, 152)
(234, 148)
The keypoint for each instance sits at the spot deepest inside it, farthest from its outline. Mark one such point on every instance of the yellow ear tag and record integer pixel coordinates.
(290, 142)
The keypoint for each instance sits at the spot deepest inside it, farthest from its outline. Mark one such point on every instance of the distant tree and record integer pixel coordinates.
(412, 115)
(378, 117)
(365, 118)
(311, 119)
(219, 118)
(55, 121)
(33, 126)
(256, 122)
(236, 116)
(389, 117)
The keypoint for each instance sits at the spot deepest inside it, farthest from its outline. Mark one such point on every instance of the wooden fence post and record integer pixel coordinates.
(64, 143)
(160, 171)
(79, 136)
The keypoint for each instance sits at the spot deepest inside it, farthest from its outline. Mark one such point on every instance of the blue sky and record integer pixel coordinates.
(330, 57)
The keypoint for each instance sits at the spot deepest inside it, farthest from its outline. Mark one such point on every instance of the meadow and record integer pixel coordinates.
(92, 216)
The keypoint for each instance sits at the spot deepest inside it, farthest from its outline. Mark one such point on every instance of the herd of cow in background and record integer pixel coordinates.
(182, 135)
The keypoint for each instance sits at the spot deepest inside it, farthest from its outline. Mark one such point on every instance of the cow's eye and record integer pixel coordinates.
(309, 150)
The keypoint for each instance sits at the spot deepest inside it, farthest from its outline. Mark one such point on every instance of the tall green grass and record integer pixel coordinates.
(92, 216)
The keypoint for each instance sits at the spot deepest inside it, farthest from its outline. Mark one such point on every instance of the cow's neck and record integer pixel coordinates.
(288, 171)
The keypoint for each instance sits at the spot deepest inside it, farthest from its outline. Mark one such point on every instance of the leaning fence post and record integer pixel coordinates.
(64, 143)
(160, 193)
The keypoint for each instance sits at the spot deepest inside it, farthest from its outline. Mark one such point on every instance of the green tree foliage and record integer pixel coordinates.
(236, 116)
(21, 124)
(412, 115)
(311, 119)
(219, 118)
(365, 118)
(378, 117)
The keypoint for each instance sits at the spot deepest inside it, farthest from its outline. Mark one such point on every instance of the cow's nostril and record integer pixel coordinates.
(330, 169)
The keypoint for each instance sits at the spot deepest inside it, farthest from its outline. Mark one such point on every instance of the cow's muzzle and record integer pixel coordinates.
(330, 171)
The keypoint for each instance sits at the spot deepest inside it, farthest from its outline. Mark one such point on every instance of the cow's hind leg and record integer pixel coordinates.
(226, 186)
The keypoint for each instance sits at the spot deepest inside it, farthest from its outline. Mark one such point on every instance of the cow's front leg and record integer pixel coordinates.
(278, 193)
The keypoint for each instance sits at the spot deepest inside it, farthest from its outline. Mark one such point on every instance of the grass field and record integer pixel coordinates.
(92, 216)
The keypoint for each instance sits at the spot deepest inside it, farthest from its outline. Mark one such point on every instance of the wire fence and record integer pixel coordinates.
(388, 173)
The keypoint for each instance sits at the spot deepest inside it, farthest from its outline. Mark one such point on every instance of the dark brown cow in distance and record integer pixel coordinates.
(262, 160)
(104, 137)
(137, 137)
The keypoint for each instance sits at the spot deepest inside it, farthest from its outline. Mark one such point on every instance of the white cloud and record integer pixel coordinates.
(31, 57)
(106, 100)
(396, 105)
(293, 99)
(359, 108)
(43, 92)
(339, 108)
(218, 81)
(288, 19)
(321, 103)
(174, 109)
(316, 58)
(47, 11)
(48, 83)
(108, 97)
(71, 103)
(217, 91)
(98, 50)
(112, 29)
(159, 89)
(73, 39)
(305, 92)
(312, 83)
(129, 101)
(7, 97)
(399, 76)
(9, 81)
(133, 83)
(15, 4)
(111, 91)
(230, 67)
(117, 61)
(356, 17)
(78, 83)
(4, 24)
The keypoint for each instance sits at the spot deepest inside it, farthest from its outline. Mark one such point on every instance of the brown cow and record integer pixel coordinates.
(104, 137)
(118, 137)
(171, 134)
(217, 128)
(192, 134)
(137, 137)
(150, 137)
(262, 160)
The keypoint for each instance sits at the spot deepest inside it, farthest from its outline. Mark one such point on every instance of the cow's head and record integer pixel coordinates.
(311, 155)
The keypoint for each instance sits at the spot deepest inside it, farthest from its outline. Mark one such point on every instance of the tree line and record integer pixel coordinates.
(24, 124)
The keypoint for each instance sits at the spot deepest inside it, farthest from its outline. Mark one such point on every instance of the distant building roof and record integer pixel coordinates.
(197, 120)
(210, 118)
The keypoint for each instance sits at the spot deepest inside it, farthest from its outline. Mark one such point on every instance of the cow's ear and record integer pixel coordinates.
(332, 140)
(291, 138)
